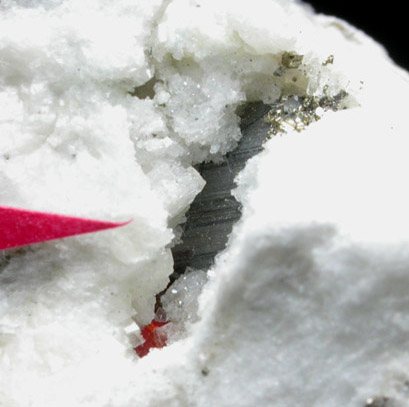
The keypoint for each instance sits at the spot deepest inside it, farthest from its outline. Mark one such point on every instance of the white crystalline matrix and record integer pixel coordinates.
(105, 107)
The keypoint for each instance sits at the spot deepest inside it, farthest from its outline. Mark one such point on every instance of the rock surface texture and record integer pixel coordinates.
(105, 109)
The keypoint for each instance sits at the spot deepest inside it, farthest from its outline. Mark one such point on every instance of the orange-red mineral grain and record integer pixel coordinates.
(154, 338)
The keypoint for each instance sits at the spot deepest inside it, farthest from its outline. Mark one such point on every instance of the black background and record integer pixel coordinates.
(386, 22)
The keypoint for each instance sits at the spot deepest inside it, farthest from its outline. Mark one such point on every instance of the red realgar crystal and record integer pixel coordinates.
(154, 338)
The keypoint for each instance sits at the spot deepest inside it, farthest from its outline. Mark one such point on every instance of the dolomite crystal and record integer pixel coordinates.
(104, 108)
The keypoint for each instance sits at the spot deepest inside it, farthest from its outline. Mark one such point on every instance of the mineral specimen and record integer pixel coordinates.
(106, 107)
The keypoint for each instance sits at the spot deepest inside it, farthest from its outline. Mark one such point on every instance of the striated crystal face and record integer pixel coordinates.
(107, 109)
